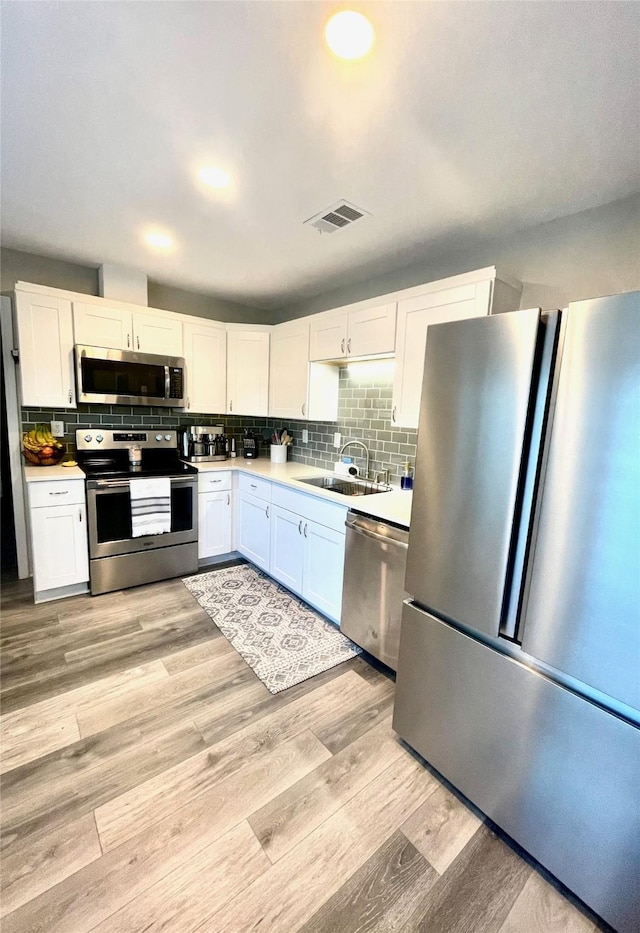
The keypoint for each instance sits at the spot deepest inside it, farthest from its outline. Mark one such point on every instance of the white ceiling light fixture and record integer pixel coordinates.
(156, 239)
(349, 35)
(215, 178)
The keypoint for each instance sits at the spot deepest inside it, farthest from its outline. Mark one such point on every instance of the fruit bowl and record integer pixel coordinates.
(44, 457)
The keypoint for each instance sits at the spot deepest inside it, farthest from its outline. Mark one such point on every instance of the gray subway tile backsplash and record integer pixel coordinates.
(364, 413)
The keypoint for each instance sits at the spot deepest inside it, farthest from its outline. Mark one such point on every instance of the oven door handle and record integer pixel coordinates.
(106, 484)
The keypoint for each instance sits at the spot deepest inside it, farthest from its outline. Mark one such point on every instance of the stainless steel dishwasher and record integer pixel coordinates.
(373, 590)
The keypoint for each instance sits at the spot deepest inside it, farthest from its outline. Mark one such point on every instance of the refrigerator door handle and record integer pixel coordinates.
(532, 473)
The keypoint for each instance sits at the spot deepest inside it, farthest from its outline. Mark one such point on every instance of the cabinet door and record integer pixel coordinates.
(372, 331)
(205, 353)
(414, 317)
(214, 523)
(248, 372)
(253, 529)
(323, 568)
(286, 548)
(59, 546)
(101, 326)
(328, 336)
(45, 339)
(154, 333)
(289, 370)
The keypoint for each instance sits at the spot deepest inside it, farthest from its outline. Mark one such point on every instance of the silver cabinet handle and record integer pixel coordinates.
(65, 492)
(228, 499)
(342, 345)
(305, 529)
(215, 480)
(128, 340)
(349, 345)
(304, 409)
(393, 414)
(300, 527)
(70, 396)
(253, 486)
(188, 402)
(80, 515)
(267, 511)
(231, 405)
(138, 339)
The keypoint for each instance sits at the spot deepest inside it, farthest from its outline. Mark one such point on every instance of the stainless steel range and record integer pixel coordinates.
(114, 461)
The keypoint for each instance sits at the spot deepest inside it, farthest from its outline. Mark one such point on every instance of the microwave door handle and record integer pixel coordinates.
(167, 383)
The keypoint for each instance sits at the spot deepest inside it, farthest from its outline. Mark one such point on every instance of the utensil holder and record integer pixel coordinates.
(278, 453)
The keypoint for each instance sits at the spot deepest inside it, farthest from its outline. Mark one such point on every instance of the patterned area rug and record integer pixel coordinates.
(280, 637)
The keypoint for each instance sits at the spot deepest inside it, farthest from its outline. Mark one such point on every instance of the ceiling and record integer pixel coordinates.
(467, 120)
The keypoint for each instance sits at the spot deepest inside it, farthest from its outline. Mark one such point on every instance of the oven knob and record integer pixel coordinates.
(167, 437)
(88, 438)
(99, 438)
(158, 437)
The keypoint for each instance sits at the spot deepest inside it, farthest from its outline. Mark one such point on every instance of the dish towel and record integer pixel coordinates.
(150, 506)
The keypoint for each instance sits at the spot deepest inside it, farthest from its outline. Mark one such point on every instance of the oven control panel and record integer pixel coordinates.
(159, 439)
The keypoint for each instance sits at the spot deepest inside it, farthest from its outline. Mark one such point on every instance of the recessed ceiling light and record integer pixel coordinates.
(349, 35)
(159, 240)
(215, 177)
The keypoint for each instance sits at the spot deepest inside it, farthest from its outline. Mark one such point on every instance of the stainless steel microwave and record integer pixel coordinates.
(122, 377)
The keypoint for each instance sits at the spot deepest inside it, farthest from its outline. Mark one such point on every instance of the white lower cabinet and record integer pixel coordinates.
(323, 569)
(214, 514)
(59, 548)
(307, 556)
(253, 521)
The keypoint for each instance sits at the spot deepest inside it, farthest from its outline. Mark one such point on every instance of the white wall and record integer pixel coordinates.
(596, 252)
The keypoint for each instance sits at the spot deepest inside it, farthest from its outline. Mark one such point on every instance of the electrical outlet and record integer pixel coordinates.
(305, 436)
(336, 439)
(57, 428)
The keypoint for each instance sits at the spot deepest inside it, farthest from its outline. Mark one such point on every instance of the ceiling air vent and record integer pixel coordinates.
(336, 217)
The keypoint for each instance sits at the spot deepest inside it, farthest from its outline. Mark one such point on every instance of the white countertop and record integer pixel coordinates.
(394, 506)
(38, 474)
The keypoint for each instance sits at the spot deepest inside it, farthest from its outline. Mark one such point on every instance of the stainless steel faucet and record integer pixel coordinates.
(364, 447)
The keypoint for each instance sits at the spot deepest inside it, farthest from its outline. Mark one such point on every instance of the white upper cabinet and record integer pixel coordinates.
(451, 299)
(289, 370)
(348, 333)
(247, 371)
(45, 339)
(103, 325)
(205, 353)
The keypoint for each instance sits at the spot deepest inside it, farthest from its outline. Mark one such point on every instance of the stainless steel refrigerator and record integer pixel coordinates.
(519, 670)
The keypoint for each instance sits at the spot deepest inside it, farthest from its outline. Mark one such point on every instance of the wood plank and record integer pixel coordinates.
(74, 780)
(380, 895)
(25, 741)
(357, 720)
(540, 908)
(183, 900)
(190, 657)
(127, 871)
(130, 813)
(441, 828)
(322, 861)
(117, 654)
(46, 859)
(286, 820)
(160, 693)
(477, 891)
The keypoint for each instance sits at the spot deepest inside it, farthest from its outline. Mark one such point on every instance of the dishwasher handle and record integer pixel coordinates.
(397, 537)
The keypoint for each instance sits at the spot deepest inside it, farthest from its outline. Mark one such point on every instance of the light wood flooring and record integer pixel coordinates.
(151, 782)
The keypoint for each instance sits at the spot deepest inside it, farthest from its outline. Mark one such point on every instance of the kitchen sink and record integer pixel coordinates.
(346, 487)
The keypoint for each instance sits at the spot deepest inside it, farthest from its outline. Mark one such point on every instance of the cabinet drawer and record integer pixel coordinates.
(214, 481)
(261, 488)
(313, 508)
(62, 492)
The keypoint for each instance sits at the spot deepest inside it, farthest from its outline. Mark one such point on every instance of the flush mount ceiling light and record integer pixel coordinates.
(349, 35)
(158, 240)
(214, 177)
